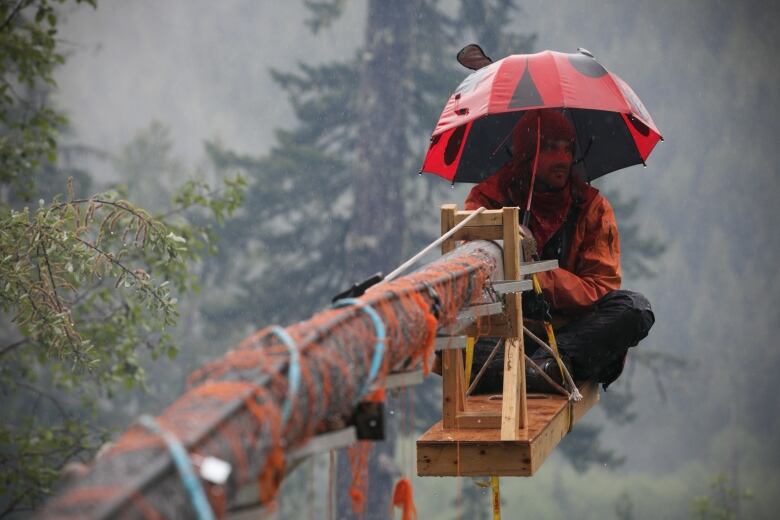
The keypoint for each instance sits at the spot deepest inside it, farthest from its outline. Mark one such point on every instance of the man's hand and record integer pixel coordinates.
(535, 307)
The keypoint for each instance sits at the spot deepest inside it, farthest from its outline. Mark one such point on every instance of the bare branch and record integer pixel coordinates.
(45, 394)
(13, 346)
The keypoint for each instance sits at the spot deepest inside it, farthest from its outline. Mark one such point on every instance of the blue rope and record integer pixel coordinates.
(181, 459)
(293, 370)
(379, 348)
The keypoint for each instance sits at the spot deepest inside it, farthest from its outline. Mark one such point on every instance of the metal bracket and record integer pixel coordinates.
(450, 342)
(402, 379)
(537, 267)
(503, 287)
(475, 311)
(369, 421)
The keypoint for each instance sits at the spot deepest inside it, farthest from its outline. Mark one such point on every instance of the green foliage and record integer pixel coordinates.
(51, 253)
(723, 502)
(323, 13)
(28, 57)
(91, 288)
(90, 285)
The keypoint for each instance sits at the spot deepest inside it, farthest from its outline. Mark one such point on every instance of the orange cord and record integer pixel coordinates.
(403, 498)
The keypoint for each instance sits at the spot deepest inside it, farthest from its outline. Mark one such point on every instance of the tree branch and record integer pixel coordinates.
(45, 394)
(13, 346)
(119, 264)
(51, 277)
(14, 13)
(130, 210)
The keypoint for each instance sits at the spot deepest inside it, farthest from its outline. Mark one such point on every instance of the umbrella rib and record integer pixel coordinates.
(559, 82)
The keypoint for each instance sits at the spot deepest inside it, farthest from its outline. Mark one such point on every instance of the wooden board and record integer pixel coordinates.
(481, 452)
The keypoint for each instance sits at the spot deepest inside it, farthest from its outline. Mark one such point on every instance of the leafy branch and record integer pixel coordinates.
(48, 256)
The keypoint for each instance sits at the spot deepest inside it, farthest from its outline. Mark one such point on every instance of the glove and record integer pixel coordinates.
(535, 307)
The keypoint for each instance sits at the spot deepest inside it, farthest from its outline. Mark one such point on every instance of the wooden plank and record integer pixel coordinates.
(491, 326)
(460, 371)
(548, 437)
(447, 223)
(513, 417)
(590, 396)
(474, 460)
(481, 452)
(478, 233)
(489, 217)
(511, 236)
(478, 419)
(449, 405)
(514, 408)
(449, 373)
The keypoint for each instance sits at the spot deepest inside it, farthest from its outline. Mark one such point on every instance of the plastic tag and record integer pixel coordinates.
(214, 470)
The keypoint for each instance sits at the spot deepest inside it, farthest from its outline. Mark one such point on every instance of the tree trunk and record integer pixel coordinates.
(376, 235)
(375, 238)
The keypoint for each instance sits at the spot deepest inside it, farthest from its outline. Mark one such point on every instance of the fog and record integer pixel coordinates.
(202, 68)
(704, 69)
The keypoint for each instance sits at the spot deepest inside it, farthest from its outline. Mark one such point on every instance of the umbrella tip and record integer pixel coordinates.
(585, 51)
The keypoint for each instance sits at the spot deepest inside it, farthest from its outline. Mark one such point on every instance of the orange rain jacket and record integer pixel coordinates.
(591, 268)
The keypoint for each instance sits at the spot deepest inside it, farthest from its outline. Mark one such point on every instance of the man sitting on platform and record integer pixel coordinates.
(595, 321)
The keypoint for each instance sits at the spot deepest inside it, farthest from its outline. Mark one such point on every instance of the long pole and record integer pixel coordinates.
(233, 408)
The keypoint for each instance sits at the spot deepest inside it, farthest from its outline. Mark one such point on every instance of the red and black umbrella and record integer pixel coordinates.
(472, 138)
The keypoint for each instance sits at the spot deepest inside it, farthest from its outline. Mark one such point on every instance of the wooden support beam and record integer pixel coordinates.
(513, 410)
(514, 407)
(478, 233)
(447, 223)
(453, 392)
(489, 217)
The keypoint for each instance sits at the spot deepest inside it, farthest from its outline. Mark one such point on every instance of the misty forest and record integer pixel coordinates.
(176, 176)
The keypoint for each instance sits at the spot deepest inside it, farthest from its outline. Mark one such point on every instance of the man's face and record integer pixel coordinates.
(555, 158)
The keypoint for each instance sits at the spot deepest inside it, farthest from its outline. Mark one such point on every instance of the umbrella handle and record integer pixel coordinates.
(533, 169)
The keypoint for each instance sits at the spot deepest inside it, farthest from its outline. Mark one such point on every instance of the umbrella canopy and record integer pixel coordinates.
(473, 136)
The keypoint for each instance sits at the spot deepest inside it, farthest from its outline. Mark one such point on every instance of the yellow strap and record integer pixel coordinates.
(469, 359)
(549, 330)
(496, 498)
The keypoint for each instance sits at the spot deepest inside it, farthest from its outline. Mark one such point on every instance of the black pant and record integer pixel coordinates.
(594, 344)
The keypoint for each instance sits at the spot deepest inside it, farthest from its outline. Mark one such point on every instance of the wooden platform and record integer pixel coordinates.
(480, 452)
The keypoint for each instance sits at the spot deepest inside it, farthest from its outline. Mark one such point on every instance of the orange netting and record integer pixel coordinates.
(276, 390)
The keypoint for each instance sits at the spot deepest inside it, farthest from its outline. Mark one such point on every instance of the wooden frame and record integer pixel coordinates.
(499, 435)
(501, 224)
